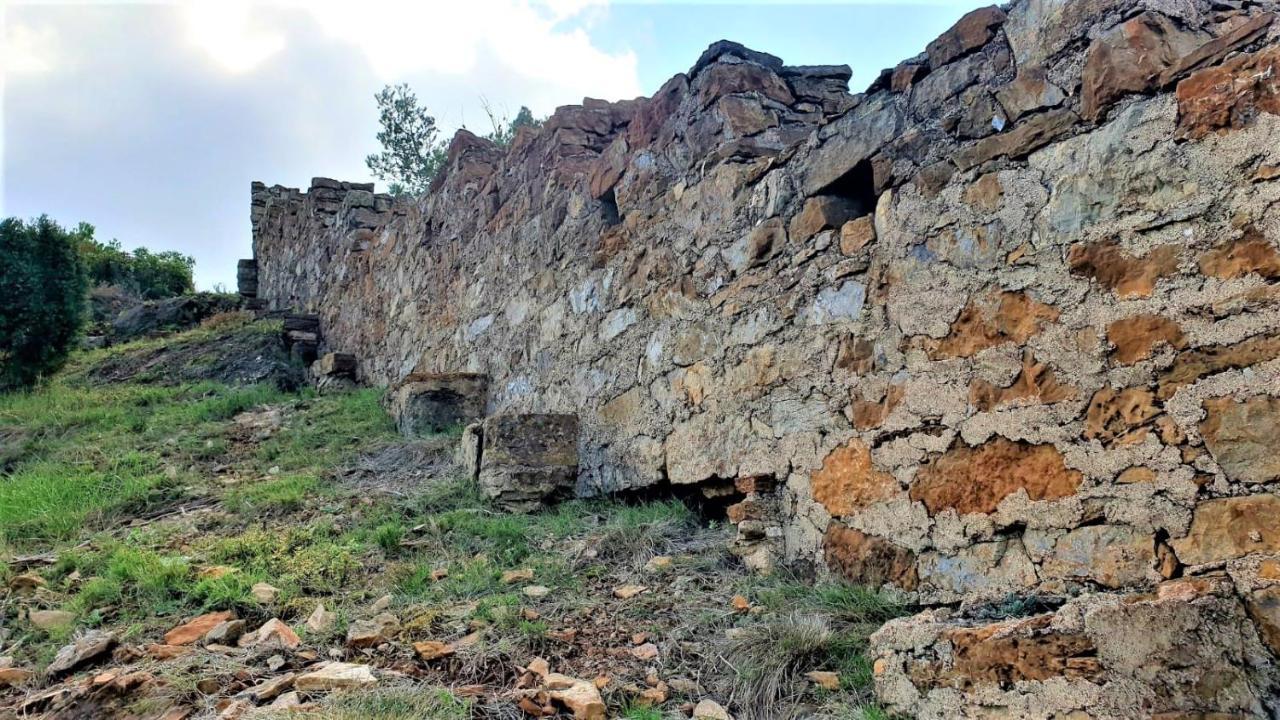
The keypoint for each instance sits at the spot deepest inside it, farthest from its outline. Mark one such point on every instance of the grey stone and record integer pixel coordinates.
(528, 460)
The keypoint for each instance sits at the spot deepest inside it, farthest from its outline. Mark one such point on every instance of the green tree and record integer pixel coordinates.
(504, 129)
(149, 275)
(412, 151)
(43, 288)
(162, 274)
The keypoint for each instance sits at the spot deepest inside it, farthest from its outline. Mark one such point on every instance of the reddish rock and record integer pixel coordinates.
(196, 628)
(746, 116)
(866, 415)
(856, 354)
(1263, 606)
(607, 169)
(1230, 94)
(1007, 652)
(1136, 336)
(723, 79)
(1230, 528)
(1244, 437)
(857, 234)
(1036, 381)
(868, 560)
(994, 320)
(975, 479)
(906, 75)
(819, 213)
(1029, 91)
(1212, 52)
(986, 193)
(849, 480)
(969, 33)
(1253, 254)
(1026, 137)
(1117, 270)
(1130, 58)
(1120, 415)
(1191, 365)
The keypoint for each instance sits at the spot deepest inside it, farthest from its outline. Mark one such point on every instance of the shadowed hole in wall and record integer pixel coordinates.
(858, 187)
(609, 209)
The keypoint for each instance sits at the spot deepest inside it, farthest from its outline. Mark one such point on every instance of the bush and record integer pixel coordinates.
(150, 275)
(43, 297)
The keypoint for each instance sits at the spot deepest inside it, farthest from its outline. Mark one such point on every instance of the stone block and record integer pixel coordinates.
(247, 278)
(528, 460)
(335, 364)
(432, 403)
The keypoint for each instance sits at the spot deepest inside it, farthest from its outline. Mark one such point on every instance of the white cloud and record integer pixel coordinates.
(227, 31)
(405, 39)
(28, 49)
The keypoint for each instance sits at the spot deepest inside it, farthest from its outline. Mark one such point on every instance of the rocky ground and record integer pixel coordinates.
(183, 538)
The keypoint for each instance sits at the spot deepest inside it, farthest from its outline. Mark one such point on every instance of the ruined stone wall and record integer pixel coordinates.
(1002, 329)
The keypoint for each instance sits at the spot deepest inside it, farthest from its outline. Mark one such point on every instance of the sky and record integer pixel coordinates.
(150, 120)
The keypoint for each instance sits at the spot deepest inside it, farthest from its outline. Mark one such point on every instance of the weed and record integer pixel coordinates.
(388, 536)
(769, 658)
(641, 712)
(404, 702)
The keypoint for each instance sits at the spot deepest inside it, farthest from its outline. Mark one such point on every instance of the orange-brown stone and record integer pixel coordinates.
(867, 415)
(1229, 95)
(1120, 415)
(868, 560)
(1249, 255)
(1134, 337)
(975, 479)
(994, 320)
(986, 193)
(1263, 606)
(1121, 272)
(1130, 58)
(856, 354)
(1191, 365)
(1244, 437)
(196, 628)
(849, 480)
(1012, 651)
(1229, 528)
(1036, 381)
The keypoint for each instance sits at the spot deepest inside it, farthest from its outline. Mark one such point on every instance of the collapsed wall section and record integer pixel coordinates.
(1005, 326)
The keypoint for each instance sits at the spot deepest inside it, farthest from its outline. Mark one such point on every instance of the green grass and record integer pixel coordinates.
(395, 703)
(100, 453)
(640, 712)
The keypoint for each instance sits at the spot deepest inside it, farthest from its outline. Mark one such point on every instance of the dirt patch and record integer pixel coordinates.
(400, 469)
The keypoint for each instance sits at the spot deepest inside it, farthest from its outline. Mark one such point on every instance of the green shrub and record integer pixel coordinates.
(149, 275)
(43, 297)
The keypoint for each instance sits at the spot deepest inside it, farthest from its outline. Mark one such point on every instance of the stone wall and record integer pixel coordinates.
(1002, 329)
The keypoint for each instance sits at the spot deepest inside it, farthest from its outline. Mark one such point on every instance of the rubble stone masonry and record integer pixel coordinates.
(1003, 331)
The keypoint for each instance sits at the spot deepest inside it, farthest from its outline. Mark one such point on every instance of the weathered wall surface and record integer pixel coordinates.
(1005, 325)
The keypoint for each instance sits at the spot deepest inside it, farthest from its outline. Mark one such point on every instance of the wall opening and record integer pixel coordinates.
(609, 208)
(857, 186)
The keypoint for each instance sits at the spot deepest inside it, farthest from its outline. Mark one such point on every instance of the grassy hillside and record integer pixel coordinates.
(148, 484)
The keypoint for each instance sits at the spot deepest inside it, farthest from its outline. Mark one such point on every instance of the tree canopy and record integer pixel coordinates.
(43, 295)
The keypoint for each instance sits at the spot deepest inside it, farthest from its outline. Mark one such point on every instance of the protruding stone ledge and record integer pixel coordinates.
(334, 370)
(528, 460)
(425, 404)
(302, 337)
